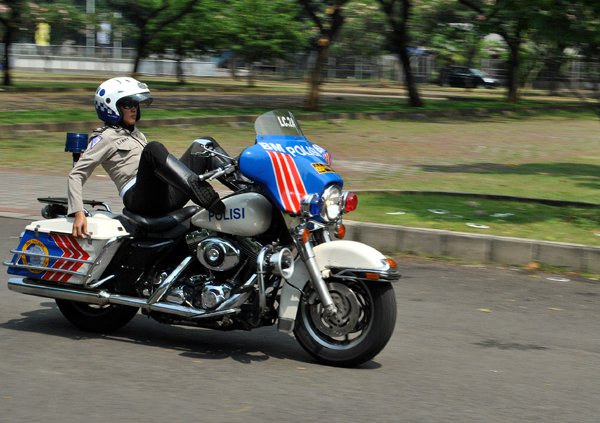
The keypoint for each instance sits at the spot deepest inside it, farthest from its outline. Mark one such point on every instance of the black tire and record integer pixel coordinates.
(366, 323)
(93, 318)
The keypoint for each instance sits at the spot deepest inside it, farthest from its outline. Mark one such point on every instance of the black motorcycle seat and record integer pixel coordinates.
(161, 223)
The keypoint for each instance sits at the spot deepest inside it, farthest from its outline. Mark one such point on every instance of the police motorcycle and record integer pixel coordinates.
(275, 256)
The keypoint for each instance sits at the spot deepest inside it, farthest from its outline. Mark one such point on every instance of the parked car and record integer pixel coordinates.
(460, 76)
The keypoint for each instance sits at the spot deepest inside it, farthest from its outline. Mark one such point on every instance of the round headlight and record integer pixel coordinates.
(331, 207)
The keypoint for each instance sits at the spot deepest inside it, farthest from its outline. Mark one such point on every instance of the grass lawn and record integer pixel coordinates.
(551, 155)
(483, 216)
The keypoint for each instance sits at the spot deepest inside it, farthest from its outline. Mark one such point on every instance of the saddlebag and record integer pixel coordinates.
(48, 251)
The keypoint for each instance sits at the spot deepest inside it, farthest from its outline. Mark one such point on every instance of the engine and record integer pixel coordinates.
(223, 262)
(228, 267)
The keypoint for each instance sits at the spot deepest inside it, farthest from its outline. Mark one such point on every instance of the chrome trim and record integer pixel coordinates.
(260, 273)
(166, 284)
(100, 282)
(386, 275)
(26, 286)
(317, 280)
(44, 269)
(25, 253)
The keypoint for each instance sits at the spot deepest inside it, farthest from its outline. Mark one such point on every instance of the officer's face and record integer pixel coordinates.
(129, 113)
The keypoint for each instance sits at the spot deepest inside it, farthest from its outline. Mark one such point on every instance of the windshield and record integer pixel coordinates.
(277, 122)
(478, 72)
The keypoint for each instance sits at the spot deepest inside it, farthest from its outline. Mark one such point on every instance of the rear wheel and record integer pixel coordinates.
(358, 332)
(95, 318)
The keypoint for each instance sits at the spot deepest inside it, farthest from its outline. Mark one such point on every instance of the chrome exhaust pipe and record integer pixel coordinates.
(24, 286)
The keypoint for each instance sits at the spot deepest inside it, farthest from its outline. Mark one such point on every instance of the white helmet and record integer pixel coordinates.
(110, 92)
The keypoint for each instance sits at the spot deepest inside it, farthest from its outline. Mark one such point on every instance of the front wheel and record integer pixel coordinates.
(361, 328)
(94, 318)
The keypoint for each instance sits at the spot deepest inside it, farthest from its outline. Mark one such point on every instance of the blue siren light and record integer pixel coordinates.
(76, 142)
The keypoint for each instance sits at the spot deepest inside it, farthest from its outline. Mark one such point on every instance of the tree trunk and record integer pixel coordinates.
(250, 79)
(552, 69)
(409, 78)
(140, 52)
(513, 70)
(398, 20)
(179, 70)
(136, 64)
(232, 69)
(314, 90)
(7, 80)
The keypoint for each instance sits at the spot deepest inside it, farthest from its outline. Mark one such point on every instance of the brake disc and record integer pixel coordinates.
(348, 312)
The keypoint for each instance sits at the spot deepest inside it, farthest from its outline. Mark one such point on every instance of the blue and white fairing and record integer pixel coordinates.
(288, 164)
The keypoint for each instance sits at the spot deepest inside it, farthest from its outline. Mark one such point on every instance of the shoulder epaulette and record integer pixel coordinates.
(101, 129)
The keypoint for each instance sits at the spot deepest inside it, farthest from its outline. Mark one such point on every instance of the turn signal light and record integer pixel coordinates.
(340, 231)
(305, 236)
(392, 263)
(350, 202)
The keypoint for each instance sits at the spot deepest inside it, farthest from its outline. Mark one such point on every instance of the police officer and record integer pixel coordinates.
(150, 180)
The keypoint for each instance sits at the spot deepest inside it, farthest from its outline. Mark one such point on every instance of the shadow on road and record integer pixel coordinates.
(200, 344)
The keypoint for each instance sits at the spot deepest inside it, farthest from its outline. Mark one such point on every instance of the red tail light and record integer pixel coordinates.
(350, 202)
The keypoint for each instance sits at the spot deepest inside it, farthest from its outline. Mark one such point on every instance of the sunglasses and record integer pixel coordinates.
(129, 104)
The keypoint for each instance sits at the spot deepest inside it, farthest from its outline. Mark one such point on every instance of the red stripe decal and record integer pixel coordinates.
(289, 183)
(70, 249)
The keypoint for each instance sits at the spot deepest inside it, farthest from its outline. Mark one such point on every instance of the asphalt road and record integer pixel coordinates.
(472, 344)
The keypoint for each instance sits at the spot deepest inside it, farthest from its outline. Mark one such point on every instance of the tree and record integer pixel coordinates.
(512, 20)
(150, 18)
(361, 17)
(398, 13)
(262, 30)
(445, 28)
(197, 32)
(578, 23)
(13, 13)
(328, 18)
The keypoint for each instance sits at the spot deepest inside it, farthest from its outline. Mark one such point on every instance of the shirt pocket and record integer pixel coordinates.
(126, 147)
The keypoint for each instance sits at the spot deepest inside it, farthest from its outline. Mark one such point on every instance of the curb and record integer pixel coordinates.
(392, 239)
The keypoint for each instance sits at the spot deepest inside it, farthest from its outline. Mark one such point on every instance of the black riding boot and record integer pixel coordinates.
(178, 175)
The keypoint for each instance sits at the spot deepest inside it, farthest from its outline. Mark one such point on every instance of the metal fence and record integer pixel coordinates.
(576, 74)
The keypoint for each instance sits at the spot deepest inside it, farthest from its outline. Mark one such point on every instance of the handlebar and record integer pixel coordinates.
(217, 173)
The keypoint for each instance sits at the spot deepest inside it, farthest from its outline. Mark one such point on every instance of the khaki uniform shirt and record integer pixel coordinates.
(117, 149)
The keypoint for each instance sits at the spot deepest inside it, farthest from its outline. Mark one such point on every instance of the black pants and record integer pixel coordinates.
(153, 196)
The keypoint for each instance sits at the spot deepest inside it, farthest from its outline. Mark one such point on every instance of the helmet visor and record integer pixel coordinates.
(142, 98)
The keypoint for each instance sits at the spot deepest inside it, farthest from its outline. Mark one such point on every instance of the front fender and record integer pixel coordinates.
(345, 259)
(351, 255)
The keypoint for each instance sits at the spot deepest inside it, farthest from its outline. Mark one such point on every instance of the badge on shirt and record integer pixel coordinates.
(94, 141)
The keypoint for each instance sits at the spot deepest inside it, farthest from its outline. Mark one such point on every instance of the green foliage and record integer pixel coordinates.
(262, 30)
(447, 28)
(196, 32)
(365, 18)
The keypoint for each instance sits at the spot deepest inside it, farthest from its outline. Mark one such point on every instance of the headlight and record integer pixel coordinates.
(331, 200)
(328, 207)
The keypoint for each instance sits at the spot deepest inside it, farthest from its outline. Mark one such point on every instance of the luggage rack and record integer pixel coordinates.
(58, 206)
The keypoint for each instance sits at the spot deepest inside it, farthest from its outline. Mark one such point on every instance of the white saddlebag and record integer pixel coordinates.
(48, 251)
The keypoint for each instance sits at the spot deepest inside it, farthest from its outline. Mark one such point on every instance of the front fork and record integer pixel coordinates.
(308, 256)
